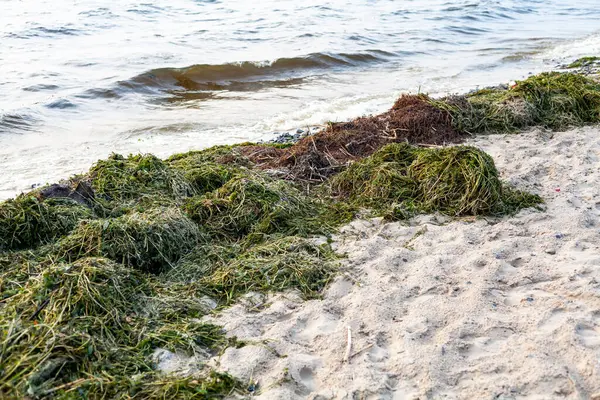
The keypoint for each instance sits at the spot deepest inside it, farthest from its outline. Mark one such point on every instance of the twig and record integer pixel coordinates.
(39, 309)
(348, 346)
(361, 350)
(76, 382)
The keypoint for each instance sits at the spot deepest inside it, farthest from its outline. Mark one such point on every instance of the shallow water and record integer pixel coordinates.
(82, 78)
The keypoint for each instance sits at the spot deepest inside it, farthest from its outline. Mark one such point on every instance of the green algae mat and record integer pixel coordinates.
(100, 271)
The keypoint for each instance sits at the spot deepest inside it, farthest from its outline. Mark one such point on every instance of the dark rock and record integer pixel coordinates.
(83, 193)
(55, 191)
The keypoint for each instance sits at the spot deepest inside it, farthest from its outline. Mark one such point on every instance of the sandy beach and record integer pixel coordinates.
(473, 308)
(211, 200)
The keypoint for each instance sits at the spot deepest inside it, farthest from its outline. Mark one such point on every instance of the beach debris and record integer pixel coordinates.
(348, 345)
(254, 387)
(255, 203)
(554, 100)
(314, 158)
(286, 263)
(151, 241)
(83, 192)
(400, 180)
(100, 271)
(28, 221)
(55, 190)
(81, 308)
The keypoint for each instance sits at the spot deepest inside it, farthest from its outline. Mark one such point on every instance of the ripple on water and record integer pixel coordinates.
(16, 123)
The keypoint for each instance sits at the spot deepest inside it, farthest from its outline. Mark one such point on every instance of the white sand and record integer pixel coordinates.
(469, 309)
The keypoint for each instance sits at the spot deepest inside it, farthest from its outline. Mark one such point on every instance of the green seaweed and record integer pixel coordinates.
(151, 241)
(551, 99)
(82, 329)
(279, 264)
(400, 180)
(28, 221)
(584, 62)
(223, 154)
(255, 204)
(122, 181)
(561, 99)
(90, 291)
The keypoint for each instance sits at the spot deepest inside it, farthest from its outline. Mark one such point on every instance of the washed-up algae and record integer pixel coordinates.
(401, 180)
(285, 263)
(584, 62)
(87, 304)
(92, 285)
(255, 204)
(149, 241)
(121, 179)
(28, 221)
(81, 330)
(315, 158)
(553, 100)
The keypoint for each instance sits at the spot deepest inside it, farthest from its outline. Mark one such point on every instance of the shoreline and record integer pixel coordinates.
(141, 262)
(589, 66)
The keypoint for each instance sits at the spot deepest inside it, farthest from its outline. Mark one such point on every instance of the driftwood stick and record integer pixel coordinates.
(348, 346)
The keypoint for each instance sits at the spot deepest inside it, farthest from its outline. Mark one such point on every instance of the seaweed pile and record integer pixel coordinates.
(101, 271)
(584, 64)
(315, 158)
(553, 100)
(93, 286)
(401, 180)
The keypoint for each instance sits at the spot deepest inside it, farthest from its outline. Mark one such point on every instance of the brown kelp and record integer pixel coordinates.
(315, 158)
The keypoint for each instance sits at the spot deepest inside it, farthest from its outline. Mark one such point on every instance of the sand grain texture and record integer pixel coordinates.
(439, 309)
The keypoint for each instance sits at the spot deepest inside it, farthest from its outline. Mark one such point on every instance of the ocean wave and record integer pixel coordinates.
(46, 32)
(61, 104)
(16, 123)
(247, 75)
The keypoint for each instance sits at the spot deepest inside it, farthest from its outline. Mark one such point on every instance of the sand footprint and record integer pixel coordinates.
(553, 322)
(588, 335)
(307, 378)
(484, 347)
(520, 296)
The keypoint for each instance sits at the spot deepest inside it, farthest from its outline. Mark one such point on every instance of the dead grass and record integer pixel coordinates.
(315, 158)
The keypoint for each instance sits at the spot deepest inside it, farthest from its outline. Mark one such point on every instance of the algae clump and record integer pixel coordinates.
(28, 221)
(400, 180)
(276, 265)
(120, 182)
(150, 241)
(255, 204)
(82, 329)
(553, 100)
(584, 62)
